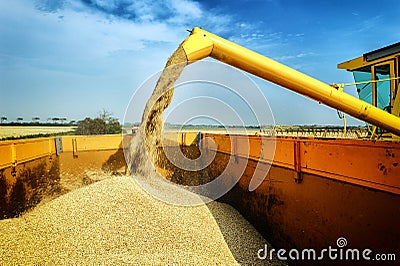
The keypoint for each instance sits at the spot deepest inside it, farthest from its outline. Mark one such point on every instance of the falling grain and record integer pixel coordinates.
(146, 147)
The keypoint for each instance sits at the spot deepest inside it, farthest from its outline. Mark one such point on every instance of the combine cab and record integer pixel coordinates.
(377, 77)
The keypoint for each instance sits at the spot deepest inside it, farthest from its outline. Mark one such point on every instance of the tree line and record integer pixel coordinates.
(36, 120)
(104, 123)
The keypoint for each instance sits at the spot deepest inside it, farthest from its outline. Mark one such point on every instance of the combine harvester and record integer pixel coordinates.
(316, 190)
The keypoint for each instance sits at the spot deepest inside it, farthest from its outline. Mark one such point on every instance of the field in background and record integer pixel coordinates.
(352, 132)
(23, 131)
(16, 132)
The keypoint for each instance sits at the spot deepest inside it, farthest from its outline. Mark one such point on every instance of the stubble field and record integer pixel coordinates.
(21, 131)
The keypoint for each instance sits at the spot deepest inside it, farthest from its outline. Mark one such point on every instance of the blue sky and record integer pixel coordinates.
(73, 58)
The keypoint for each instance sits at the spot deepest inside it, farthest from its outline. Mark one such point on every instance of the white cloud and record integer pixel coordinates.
(142, 11)
(75, 30)
(295, 56)
(186, 9)
(73, 49)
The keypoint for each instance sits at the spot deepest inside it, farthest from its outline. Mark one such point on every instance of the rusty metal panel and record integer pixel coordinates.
(172, 139)
(99, 142)
(374, 164)
(19, 151)
(180, 138)
(222, 142)
(93, 160)
(317, 211)
(67, 143)
(284, 152)
(5, 154)
(189, 138)
(248, 146)
(207, 141)
(31, 149)
(28, 183)
(367, 163)
(268, 149)
(96, 142)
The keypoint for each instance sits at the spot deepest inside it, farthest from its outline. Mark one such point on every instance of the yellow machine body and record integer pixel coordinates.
(201, 44)
(378, 73)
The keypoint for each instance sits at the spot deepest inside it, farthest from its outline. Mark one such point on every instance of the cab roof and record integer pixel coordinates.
(373, 57)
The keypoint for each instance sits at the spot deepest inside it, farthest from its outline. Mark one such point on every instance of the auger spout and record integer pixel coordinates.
(201, 44)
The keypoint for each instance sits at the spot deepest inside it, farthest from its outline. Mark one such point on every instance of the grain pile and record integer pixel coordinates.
(114, 222)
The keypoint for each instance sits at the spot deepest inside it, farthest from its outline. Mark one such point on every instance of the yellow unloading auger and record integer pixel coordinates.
(201, 44)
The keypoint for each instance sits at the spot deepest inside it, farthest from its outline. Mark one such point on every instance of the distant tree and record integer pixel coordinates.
(112, 124)
(55, 120)
(36, 118)
(63, 119)
(103, 124)
(90, 126)
(19, 119)
(3, 118)
(104, 114)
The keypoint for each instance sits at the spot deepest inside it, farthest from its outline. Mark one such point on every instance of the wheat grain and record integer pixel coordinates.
(115, 222)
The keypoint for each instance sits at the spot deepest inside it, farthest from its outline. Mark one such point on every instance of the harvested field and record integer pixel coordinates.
(19, 131)
(114, 222)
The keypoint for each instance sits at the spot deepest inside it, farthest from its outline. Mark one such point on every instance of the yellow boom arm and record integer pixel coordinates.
(201, 44)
